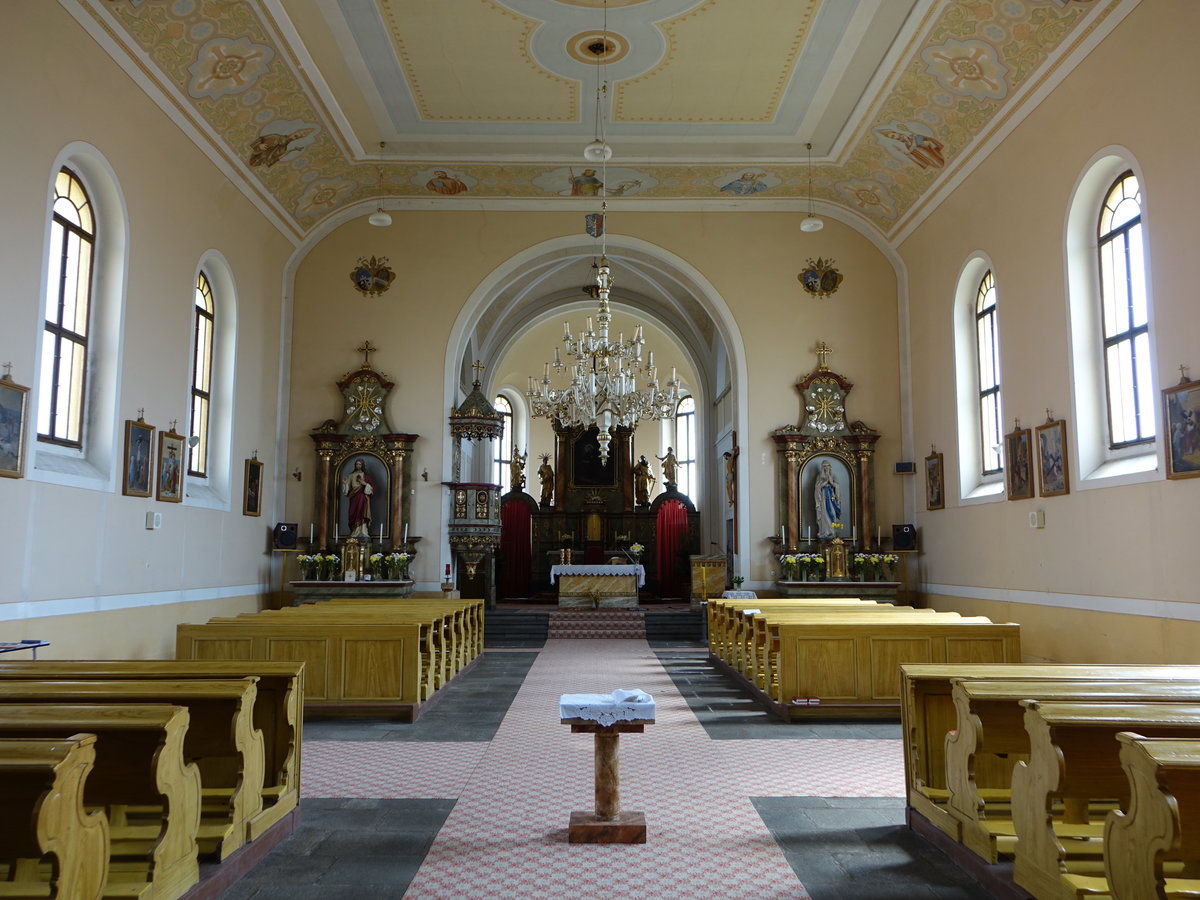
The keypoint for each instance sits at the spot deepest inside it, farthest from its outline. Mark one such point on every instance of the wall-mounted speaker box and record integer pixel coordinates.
(285, 536)
(906, 468)
(904, 537)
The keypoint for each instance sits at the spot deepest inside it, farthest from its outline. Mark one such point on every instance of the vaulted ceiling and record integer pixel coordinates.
(318, 108)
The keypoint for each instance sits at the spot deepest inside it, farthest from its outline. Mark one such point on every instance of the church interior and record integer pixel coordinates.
(349, 322)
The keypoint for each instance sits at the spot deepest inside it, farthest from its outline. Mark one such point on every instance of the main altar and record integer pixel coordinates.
(598, 587)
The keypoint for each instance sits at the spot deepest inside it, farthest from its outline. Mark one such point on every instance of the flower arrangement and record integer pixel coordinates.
(811, 564)
(737, 582)
(837, 528)
(376, 561)
(636, 550)
(789, 562)
(308, 565)
(873, 566)
(327, 563)
(397, 566)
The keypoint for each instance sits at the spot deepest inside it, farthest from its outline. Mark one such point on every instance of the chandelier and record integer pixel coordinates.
(604, 389)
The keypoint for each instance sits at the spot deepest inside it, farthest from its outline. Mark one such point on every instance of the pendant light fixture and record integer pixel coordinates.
(598, 150)
(811, 222)
(380, 218)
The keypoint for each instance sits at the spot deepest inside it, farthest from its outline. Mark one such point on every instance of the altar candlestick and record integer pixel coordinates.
(310, 532)
(447, 570)
(406, 534)
(335, 532)
(783, 534)
(381, 532)
(876, 535)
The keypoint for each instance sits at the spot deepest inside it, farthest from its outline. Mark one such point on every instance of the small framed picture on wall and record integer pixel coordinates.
(139, 458)
(1018, 463)
(935, 482)
(169, 485)
(1052, 459)
(1181, 412)
(252, 489)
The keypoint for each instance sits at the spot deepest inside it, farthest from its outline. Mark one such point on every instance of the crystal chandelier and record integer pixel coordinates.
(605, 375)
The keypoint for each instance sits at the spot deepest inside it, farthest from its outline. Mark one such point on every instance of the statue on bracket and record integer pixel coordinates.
(546, 477)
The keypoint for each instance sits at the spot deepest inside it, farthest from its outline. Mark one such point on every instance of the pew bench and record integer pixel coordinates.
(278, 711)
(723, 612)
(369, 668)
(139, 760)
(990, 737)
(848, 666)
(42, 782)
(1159, 833)
(220, 738)
(927, 714)
(1074, 759)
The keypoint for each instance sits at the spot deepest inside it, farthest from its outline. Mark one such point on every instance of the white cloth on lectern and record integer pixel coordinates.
(619, 706)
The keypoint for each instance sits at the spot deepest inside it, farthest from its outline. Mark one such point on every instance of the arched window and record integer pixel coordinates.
(1111, 306)
(685, 447)
(62, 392)
(203, 322)
(504, 446)
(977, 382)
(987, 354)
(1125, 316)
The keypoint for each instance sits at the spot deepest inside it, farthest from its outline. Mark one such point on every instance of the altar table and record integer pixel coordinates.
(598, 587)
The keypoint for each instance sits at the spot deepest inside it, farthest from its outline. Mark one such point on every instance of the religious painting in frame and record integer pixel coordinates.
(139, 456)
(1018, 459)
(587, 468)
(169, 483)
(1181, 413)
(935, 482)
(1053, 478)
(827, 498)
(14, 400)
(363, 486)
(252, 488)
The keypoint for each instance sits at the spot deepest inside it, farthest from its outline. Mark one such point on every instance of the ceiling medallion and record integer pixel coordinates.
(373, 276)
(820, 278)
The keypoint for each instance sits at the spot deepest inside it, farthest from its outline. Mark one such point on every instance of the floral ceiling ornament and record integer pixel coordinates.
(972, 68)
(228, 66)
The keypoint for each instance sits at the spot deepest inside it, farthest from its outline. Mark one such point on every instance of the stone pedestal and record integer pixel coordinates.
(607, 825)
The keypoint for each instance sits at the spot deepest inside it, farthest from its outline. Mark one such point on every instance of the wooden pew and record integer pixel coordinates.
(853, 668)
(722, 614)
(1074, 758)
(1160, 830)
(762, 655)
(139, 759)
(927, 713)
(451, 631)
(221, 739)
(349, 668)
(42, 782)
(990, 737)
(278, 711)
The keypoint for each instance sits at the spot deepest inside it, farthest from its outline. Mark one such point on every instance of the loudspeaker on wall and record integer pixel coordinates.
(284, 537)
(904, 537)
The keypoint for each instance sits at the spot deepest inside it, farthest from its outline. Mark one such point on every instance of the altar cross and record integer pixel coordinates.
(822, 350)
(366, 350)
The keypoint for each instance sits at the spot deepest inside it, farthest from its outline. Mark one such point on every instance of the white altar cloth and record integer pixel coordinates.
(607, 709)
(739, 595)
(576, 569)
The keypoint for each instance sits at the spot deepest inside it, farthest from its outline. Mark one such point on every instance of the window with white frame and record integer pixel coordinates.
(203, 330)
(62, 394)
(987, 355)
(505, 444)
(1125, 316)
(977, 377)
(685, 448)
(1111, 309)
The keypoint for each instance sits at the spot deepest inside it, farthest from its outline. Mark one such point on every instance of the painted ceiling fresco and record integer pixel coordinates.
(713, 97)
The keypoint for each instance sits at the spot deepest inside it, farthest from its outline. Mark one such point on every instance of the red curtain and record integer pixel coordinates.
(672, 539)
(516, 549)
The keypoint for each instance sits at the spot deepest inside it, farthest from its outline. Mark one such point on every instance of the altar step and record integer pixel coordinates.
(674, 625)
(515, 628)
(575, 624)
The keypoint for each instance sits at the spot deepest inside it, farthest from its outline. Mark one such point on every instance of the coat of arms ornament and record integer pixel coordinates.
(820, 278)
(372, 276)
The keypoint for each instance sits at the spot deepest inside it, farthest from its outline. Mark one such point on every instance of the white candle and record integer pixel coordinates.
(310, 532)
(381, 532)
(335, 532)
(876, 535)
(808, 533)
(854, 533)
(406, 534)
(783, 534)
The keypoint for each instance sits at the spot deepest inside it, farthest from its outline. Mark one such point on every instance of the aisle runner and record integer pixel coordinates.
(507, 835)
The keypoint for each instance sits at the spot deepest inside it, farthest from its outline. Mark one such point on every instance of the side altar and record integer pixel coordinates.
(316, 591)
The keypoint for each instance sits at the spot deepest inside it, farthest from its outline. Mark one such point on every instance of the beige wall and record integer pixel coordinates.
(750, 259)
(90, 547)
(1113, 542)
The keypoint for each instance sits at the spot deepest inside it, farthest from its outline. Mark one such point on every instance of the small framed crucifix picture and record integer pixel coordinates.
(1018, 463)
(252, 488)
(139, 457)
(169, 486)
(935, 482)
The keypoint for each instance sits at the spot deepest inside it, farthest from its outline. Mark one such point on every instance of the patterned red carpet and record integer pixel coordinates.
(506, 836)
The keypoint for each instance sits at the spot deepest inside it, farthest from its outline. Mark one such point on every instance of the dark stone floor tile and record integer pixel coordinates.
(370, 870)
